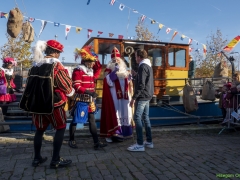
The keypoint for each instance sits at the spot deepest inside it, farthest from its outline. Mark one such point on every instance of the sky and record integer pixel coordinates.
(195, 19)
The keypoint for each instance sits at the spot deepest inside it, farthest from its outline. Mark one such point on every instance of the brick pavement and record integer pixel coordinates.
(177, 155)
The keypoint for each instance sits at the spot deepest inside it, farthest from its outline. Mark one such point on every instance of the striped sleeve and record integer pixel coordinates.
(63, 81)
(77, 81)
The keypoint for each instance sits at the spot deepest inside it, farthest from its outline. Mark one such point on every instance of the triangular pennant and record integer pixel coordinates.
(56, 24)
(182, 37)
(78, 29)
(189, 41)
(44, 23)
(111, 34)
(120, 36)
(174, 34)
(121, 6)
(143, 18)
(88, 2)
(168, 30)
(204, 49)
(30, 19)
(112, 2)
(135, 11)
(4, 15)
(153, 21)
(67, 30)
(89, 32)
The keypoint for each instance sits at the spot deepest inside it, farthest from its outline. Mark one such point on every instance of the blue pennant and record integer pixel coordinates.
(88, 2)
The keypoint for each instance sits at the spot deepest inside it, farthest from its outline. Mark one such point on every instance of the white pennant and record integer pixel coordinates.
(67, 30)
(44, 23)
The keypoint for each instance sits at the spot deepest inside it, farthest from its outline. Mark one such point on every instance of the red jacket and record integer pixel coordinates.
(84, 79)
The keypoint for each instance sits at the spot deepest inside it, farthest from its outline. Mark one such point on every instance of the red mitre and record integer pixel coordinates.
(115, 53)
(55, 45)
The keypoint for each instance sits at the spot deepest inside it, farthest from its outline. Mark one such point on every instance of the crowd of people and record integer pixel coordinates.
(50, 88)
(228, 99)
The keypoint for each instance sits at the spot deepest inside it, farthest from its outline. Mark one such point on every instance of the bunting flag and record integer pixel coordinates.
(135, 11)
(160, 26)
(168, 30)
(174, 34)
(121, 6)
(232, 44)
(78, 29)
(120, 36)
(67, 30)
(204, 49)
(99, 33)
(111, 34)
(131, 37)
(89, 33)
(153, 21)
(183, 37)
(4, 15)
(30, 19)
(190, 49)
(112, 2)
(143, 18)
(197, 43)
(56, 24)
(88, 2)
(189, 41)
(44, 23)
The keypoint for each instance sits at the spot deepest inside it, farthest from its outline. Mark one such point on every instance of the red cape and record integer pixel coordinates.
(108, 123)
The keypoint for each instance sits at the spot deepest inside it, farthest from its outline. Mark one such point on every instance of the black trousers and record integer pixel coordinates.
(92, 128)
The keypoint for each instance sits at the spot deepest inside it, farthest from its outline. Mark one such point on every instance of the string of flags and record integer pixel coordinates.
(160, 25)
(56, 24)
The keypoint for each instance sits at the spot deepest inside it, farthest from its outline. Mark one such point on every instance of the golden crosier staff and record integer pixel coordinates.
(129, 51)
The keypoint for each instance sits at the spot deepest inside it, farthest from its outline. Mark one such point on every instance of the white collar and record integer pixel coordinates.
(145, 61)
(7, 71)
(86, 70)
(46, 61)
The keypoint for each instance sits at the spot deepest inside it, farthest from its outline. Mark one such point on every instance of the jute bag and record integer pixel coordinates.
(189, 99)
(15, 21)
(3, 128)
(208, 91)
(28, 32)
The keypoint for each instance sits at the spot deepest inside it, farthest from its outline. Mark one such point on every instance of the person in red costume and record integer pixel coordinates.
(83, 78)
(48, 86)
(116, 114)
(6, 83)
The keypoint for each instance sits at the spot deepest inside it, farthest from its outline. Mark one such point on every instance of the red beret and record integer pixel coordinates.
(55, 45)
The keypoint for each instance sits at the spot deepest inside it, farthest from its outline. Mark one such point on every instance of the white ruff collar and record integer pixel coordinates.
(7, 71)
(86, 70)
(46, 61)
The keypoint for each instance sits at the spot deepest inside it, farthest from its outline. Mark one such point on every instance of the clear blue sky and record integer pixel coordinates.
(195, 19)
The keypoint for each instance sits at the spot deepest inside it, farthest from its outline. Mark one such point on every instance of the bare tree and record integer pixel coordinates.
(206, 65)
(18, 49)
(143, 34)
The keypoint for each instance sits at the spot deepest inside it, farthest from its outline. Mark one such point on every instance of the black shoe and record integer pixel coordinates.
(61, 163)
(37, 162)
(99, 145)
(72, 144)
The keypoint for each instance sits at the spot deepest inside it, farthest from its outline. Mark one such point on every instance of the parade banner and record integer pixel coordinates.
(232, 44)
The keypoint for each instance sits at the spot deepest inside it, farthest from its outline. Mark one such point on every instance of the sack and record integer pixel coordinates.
(189, 99)
(221, 70)
(80, 113)
(28, 32)
(208, 91)
(15, 21)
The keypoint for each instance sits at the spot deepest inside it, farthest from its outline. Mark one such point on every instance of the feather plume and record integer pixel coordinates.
(38, 50)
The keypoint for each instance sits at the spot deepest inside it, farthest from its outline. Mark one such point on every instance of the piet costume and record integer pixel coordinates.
(116, 114)
(47, 88)
(83, 78)
(6, 81)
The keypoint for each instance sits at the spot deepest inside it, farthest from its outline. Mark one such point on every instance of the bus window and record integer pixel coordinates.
(155, 56)
(180, 58)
